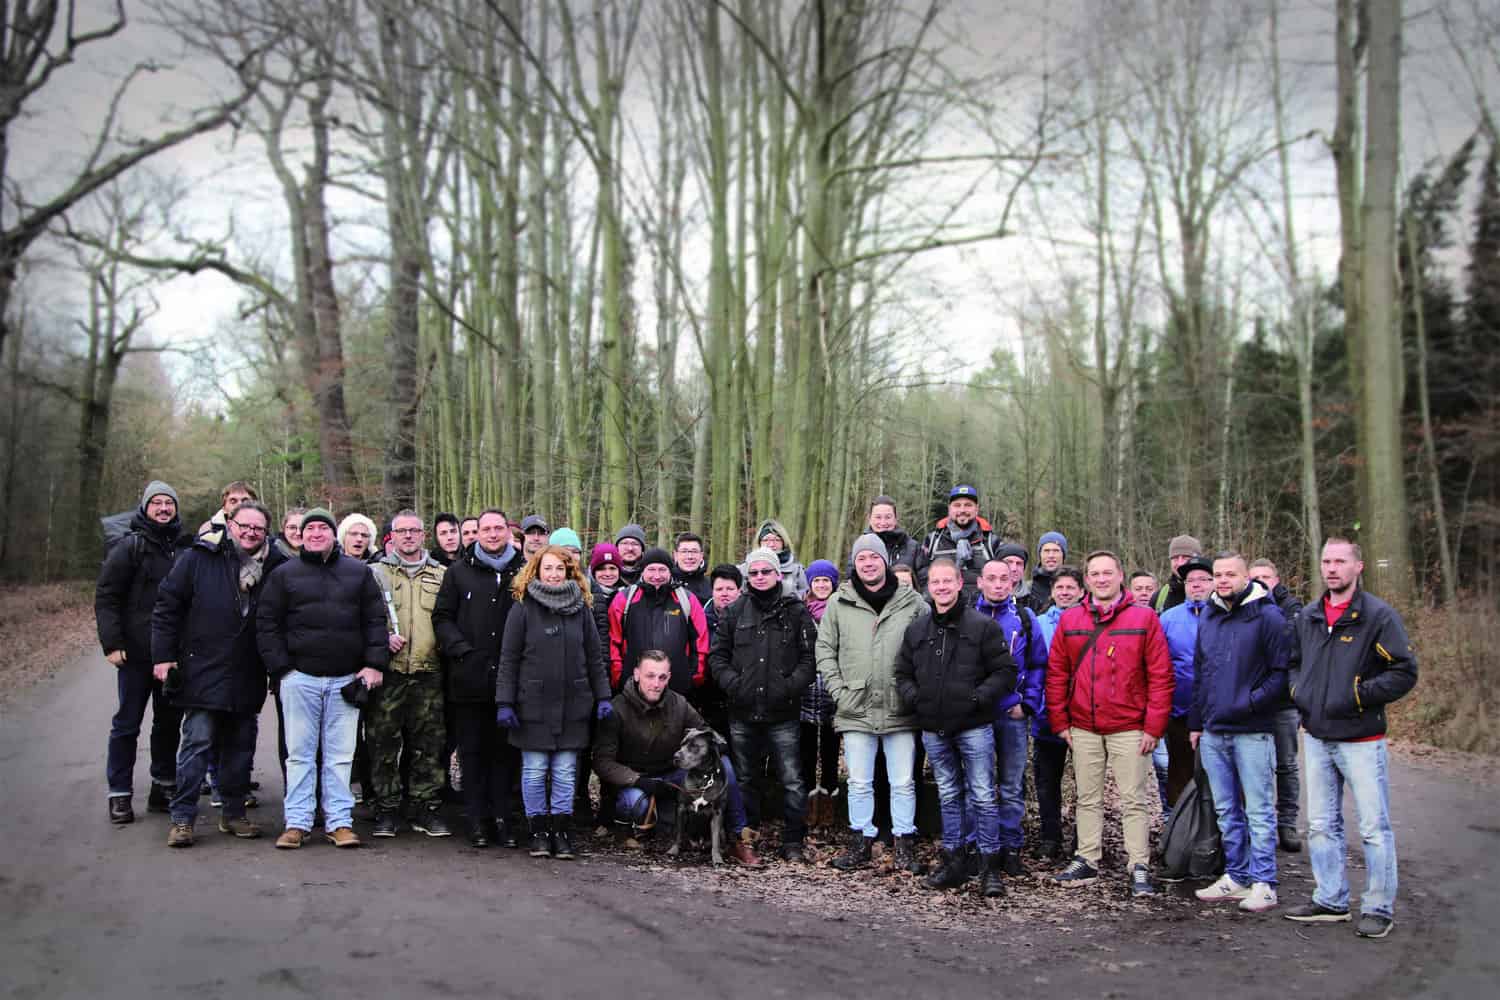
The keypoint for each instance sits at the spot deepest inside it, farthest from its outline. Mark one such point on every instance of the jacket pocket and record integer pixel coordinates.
(427, 594)
(854, 699)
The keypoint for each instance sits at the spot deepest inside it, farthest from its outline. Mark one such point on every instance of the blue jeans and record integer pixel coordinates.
(900, 755)
(748, 742)
(136, 688)
(964, 766)
(1159, 759)
(1363, 765)
(228, 737)
(536, 767)
(631, 804)
(1010, 773)
(1243, 766)
(316, 713)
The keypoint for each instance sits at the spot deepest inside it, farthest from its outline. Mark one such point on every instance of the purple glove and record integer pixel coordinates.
(505, 717)
(603, 710)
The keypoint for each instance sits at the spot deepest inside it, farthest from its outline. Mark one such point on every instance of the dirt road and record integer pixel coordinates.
(90, 910)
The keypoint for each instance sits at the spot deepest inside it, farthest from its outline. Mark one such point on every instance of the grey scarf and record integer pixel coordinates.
(564, 599)
(495, 562)
(963, 551)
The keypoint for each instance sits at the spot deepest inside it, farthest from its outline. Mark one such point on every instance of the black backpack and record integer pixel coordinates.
(116, 529)
(1190, 845)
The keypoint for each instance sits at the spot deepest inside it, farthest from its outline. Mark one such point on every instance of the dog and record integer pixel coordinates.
(704, 788)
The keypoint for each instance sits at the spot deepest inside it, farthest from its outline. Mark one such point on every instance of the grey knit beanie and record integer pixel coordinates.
(764, 555)
(869, 542)
(158, 488)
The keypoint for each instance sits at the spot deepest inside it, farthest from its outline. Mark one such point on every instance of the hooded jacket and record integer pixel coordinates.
(763, 658)
(856, 655)
(1180, 624)
(1117, 680)
(125, 593)
(1343, 676)
(323, 615)
(552, 672)
(1239, 664)
(640, 738)
(469, 615)
(793, 575)
(1029, 651)
(951, 668)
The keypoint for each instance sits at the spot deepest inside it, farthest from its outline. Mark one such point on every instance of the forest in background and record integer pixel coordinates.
(672, 263)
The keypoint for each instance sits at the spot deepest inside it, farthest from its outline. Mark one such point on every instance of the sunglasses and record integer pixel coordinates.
(763, 572)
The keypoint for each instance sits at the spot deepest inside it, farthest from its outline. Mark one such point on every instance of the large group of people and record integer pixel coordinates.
(505, 657)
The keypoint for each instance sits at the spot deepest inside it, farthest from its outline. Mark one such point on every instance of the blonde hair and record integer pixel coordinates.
(533, 567)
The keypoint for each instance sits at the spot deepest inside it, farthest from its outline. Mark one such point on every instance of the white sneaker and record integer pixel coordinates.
(1225, 888)
(1261, 898)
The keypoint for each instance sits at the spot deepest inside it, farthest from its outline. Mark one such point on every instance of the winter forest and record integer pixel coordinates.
(1131, 268)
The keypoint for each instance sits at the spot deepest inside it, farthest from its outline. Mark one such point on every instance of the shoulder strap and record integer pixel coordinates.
(630, 593)
(1027, 623)
(685, 603)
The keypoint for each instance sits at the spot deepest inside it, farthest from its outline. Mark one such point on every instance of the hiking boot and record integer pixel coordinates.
(750, 835)
(1140, 882)
(906, 855)
(120, 810)
(159, 799)
(343, 837)
(1289, 840)
(742, 852)
(1048, 850)
(181, 835)
(950, 872)
(385, 824)
(1316, 913)
(239, 827)
(1262, 898)
(205, 788)
(431, 822)
(1010, 863)
(1079, 872)
(251, 801)
(1373, 925)
(792, 851)
(973, 861)
(856, 852)
(479, 833)
(503, 834)
(541, 837)
(992, 882)
(1225, 888)
(562, 837)
(291, 838)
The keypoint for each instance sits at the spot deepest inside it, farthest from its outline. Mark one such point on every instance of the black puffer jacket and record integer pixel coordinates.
(640, 738)
(323, 616)
(952, 668)
(469, 619)
(602, 596)
(1038, 596)
(763, 658)
(199, 623)
(552, 672)
(1343, 677)
(126, 590)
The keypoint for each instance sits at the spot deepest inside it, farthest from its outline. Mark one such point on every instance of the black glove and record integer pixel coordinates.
(651, 786)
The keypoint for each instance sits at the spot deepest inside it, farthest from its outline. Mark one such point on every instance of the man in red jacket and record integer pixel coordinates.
(1109, 693)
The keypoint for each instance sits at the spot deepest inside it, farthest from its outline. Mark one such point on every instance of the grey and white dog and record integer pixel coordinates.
(703, 788)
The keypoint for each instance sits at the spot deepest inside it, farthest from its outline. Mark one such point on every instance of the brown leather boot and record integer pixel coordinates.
(344, 837)
(291, 838)
(745, 854)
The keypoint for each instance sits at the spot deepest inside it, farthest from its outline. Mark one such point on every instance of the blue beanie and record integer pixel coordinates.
(822, 567)
(1055, 537)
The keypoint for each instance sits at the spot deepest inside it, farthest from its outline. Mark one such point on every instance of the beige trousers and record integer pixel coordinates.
(1121, 754)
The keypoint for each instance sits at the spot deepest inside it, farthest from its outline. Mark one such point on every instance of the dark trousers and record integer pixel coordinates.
(1049, 760)
(487, 760)
(136, 687)
(749, 742)
(820, 745)
(1288, 778)
(1181, 762)
(228, 738)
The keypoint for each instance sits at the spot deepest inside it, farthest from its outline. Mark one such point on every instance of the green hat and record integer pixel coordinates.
(320, 514)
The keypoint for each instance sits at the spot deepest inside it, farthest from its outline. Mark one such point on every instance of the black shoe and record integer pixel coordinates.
(1316, 913)
(205, 789)
(856, 852)
(906, 855)
(792, 851)
(541, 837)
(562, 838)
(973, 861)
(431, 822)
(1373, 925)
(1140, 882)
(1289, 840)
(950, 872)
(1010, 863)
(992, 881)
(1079, 872)
(503, 833)
(479, 833)
(159, 799)
(1048, 850)
(385, 825)
(120, 811)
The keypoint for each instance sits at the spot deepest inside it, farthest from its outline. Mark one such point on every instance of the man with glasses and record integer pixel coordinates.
(204, 651)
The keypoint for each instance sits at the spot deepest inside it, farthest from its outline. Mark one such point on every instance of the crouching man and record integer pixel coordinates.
(634, 746)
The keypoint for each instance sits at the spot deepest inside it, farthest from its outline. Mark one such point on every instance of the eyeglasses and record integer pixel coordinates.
(762, 572)
(407, 531)
(249, 529)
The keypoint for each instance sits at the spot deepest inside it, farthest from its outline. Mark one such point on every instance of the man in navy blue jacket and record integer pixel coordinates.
(1240, 680)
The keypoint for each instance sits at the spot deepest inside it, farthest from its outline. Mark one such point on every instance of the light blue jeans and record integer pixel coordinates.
(316, 713)
(964, 766)
(900, 755)
(1329, 765)
(536, 767)
(1242, 766)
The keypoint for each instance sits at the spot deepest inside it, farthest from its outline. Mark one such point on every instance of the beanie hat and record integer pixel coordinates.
(632, 531)
(320, 514)
(869, 542)
(656, 555)
(822, 567)
(157, 488)
(567, 538)
(1056, 538)
(764, 555)
(604, 554)
(1184, 545)
(963, 490)
(1007, 549)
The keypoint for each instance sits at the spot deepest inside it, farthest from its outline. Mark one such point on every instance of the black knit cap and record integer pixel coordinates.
(656, 555)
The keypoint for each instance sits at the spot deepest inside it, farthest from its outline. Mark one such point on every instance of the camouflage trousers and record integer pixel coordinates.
(406, 717)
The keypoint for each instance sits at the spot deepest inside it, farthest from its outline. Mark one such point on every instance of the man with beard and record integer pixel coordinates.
(1051, 550)
(964, 538)
(656, 614)
(631, 543)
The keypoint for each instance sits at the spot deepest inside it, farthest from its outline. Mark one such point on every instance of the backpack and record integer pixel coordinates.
(684, 601)
(1190, 845)
(116, 529)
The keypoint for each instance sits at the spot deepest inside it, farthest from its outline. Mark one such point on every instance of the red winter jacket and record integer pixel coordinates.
(1124, 680)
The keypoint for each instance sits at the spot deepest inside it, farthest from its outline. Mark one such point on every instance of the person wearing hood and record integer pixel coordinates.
(356, 538)
(124, 597)
(449, 539)
(1051, 553)
(774, 537)
(469, 618)
(550, 687)
(963, 537)
(655, 613)
(1179, 550)
(763, 659)
(405, 724)
(1240, 670)
(630, 541)
(1288, 773)
(883, 524)
(1173, 756)
(203, 632)
(689, 567)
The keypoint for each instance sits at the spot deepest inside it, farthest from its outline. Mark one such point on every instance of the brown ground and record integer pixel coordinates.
(42, 627)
